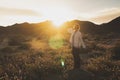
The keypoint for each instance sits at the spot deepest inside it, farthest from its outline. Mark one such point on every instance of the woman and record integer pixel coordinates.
(77, 44)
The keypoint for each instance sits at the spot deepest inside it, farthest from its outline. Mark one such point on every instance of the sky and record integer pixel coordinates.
(58, 11)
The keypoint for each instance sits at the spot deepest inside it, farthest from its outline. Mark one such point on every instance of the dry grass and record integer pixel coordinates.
(36, 60)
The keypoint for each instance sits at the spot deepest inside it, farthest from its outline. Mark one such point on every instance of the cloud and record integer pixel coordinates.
(9, 16)
(19, 12)
(105, 15)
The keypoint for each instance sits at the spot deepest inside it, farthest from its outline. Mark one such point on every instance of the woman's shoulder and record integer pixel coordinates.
(79, 32)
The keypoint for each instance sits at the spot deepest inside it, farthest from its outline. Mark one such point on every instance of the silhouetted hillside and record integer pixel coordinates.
(45, 28)
(89, 27)
(27, 29)
(112, 26)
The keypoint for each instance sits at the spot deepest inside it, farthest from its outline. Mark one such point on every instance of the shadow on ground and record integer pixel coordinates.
(74, 74)
(79, 74)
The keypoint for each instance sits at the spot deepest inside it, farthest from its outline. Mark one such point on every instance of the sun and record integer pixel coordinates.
(57, 23)
(58, 15)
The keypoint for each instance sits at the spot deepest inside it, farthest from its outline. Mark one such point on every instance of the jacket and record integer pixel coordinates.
(76, 39)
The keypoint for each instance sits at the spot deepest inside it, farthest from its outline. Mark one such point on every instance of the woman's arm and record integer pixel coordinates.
(82, 42)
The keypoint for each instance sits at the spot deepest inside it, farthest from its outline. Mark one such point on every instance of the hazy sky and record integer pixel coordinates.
(97, 11)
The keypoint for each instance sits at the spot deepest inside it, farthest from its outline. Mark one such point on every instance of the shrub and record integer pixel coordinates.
(104, 68)
(25, 46)
(8, 50)
(116, 52)
(14, 42)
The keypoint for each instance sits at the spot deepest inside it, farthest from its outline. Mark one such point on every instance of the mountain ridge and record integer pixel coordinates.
(46, 26)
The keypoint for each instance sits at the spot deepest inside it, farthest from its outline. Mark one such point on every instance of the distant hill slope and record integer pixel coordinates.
(47, 27)
(26, 29)
(112, 26)
(89, 27)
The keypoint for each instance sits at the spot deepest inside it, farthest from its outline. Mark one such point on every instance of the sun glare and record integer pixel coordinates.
(58, 15)
(57, 23)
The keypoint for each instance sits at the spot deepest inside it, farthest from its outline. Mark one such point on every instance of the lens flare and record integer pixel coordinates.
(62, 63)
(56, 42)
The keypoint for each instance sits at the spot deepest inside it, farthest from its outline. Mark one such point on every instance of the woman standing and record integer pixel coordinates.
(77, 45)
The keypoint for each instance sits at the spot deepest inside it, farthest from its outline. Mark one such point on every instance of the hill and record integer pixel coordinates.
(89, 27)
(112, 26)
(47, 28)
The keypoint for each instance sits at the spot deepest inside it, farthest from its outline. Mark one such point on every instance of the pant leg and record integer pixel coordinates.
(76, 57)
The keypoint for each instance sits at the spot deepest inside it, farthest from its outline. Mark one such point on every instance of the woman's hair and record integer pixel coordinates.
(76, 27)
